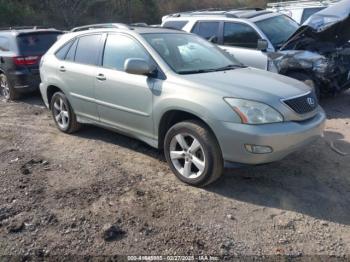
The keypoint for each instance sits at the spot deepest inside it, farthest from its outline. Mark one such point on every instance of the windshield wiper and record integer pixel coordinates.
(201, 71)
(229, 67)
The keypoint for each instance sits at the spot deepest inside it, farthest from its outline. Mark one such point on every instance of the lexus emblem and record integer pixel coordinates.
(311, 101)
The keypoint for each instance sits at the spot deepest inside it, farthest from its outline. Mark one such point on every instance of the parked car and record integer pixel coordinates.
(21, 49)
(300, 11)
(177, 92)
(316, 53)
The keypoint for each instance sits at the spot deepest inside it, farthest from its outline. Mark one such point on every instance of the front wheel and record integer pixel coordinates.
(193, 153)
(63, 114)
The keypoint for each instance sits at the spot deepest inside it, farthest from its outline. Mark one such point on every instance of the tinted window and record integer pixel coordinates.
(36, 44)
(278, 29)
(4, 44)
(61, 54)
(241, 35)
(87, 50)
(207, 30)
(119, 48)
(71, 53)
(175, 24)
(309, 12)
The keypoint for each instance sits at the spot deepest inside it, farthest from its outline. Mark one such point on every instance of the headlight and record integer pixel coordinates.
(254, 113)
(321, 65)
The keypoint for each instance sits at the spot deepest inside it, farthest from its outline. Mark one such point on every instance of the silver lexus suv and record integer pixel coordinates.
(177, 92)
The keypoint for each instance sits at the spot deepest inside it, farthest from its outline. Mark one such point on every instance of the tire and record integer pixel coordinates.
(63, 114)
(193, 153)
(7, 89)
(306, 79)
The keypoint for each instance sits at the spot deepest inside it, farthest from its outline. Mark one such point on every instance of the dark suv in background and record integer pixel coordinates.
(21, 49)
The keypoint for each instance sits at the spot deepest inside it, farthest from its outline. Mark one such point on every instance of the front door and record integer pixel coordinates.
(240, 40)
(124, 101)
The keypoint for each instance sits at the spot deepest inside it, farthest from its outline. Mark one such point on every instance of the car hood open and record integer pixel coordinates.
(332, 22)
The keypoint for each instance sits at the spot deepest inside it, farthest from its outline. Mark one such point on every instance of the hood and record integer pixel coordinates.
(330, 23)
(248, 83)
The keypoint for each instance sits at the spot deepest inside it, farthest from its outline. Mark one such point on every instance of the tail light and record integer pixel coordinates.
(26, 60)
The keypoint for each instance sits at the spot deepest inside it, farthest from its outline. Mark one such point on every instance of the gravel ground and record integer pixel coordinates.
(99, 193)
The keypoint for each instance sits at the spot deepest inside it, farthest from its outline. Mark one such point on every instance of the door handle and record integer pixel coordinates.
(101, 77)
(63, 69)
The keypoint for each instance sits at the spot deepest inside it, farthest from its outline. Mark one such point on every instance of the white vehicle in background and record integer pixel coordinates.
(300, 10)
(317, 53)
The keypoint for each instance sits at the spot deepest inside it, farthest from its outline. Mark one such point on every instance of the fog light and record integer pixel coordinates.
(258, 149)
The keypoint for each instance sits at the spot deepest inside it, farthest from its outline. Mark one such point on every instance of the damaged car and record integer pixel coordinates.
(319, 51)
(316, 53)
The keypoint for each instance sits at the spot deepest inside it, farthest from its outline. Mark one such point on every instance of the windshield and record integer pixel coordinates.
(36, 44)
(190, 54)
(278, 29)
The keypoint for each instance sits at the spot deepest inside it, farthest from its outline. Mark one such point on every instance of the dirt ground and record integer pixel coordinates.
(99, 193)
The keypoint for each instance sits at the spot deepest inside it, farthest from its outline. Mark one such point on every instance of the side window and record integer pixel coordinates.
(309, 12)
(62, 52)
(4, 44)
(175, 24)
(240, 35)
(207, 30)
(119, 48)
(87, 49)
(71, 53)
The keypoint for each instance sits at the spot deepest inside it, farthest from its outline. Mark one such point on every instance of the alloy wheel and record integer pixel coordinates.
(187, 155)
(4, 86)
(61, 113)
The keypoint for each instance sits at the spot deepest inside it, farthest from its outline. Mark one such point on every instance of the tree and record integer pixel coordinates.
(69, 12)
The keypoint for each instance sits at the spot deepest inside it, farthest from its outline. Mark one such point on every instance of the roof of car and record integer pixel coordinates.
(247, 13)
(138, 28)
(26, 30)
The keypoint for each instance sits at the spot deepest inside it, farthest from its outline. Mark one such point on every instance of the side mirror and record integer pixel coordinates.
(138, 67)
(262, 45)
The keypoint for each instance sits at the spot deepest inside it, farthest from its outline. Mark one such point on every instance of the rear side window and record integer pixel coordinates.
(36, 44)
(309, 12)
(175, 24)
(240, 35)
(88, 49)
(62, 52)
(119, 48)
(4, 44)
(207, 30)
(71, 53)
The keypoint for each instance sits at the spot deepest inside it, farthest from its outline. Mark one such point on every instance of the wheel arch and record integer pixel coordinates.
(51, 90)
(174, 116)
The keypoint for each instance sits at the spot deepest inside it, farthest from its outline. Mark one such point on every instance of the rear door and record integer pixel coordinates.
(77, 72)
(241, 40)
(209, 30)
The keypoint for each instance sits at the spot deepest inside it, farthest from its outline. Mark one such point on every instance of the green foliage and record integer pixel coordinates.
(66, 14)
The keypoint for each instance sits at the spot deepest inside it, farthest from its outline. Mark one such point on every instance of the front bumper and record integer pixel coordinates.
(284, 138)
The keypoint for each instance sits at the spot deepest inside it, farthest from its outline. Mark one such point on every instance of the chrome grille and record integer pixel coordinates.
(303, 104)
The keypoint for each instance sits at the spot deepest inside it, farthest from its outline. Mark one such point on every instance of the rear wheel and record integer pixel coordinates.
(193, 153)
(306, 79)
(63, 114)
(7, 89)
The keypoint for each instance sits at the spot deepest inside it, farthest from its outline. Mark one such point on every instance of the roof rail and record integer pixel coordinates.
(302, 3)
(98, 26)
(204, 13)
(232, 13)
(35, 27)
